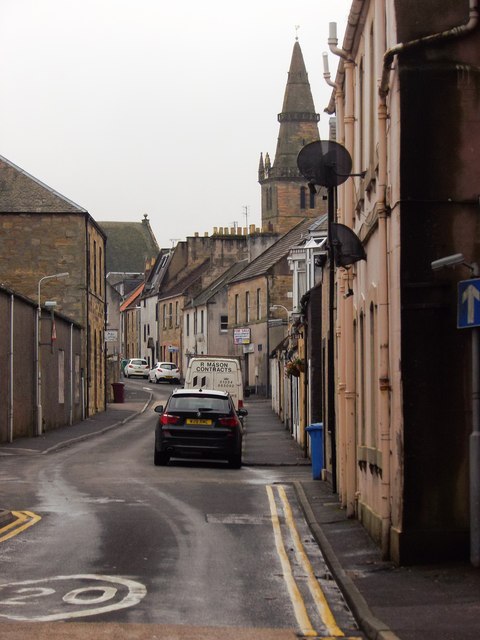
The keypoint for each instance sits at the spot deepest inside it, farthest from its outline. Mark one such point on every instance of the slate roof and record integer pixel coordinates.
(182, 285)
(217, 285)
(22, 193)
(129, 246)
(279, 250)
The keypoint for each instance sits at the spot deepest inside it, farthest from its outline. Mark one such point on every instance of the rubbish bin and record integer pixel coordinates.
(315, 431)
(118, 391)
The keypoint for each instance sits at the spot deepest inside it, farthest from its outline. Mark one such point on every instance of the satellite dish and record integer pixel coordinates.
(347, 248)
(325, 163)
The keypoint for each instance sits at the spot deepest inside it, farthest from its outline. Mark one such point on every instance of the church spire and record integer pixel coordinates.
(285, 201)
(298, 120)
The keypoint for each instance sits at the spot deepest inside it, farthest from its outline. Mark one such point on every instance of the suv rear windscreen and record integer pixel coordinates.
(194, 403)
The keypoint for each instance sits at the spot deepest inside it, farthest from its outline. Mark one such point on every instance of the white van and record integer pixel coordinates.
(216, 372)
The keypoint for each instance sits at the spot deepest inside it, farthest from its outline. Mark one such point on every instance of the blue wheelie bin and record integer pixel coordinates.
(315, 431)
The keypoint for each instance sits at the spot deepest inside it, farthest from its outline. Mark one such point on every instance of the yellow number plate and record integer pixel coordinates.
(197, 421)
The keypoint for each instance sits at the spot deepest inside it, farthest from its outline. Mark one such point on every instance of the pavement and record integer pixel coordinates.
(438, 602)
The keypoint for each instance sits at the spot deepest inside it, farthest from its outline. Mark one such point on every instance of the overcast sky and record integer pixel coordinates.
(130, 107)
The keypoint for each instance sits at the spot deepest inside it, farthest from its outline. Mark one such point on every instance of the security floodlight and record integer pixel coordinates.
(448, 261)
(50, 304)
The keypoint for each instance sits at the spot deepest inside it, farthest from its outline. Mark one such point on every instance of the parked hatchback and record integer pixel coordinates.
(167, 371)
(199, 423)
(136, 367)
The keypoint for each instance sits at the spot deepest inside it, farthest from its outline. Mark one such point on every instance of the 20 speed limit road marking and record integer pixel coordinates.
(24, 520)
(316, 592)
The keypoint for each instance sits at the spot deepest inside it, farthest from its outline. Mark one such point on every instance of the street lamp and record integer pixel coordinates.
(280, 306)
(38, 373)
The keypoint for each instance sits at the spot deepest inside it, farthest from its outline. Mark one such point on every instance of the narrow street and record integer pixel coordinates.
(161, 551)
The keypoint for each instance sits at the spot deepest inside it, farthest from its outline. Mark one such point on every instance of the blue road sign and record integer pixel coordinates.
(468, 303)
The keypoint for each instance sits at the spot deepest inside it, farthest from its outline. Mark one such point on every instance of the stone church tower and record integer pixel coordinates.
(286, 199)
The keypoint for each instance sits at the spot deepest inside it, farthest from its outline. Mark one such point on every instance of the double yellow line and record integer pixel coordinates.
(316, 592)
(23, 520)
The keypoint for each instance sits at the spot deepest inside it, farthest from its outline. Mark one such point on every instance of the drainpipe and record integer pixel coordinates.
(10, 395)
(339, 98)
(70, 417)
(348, 311)
(345, 303)
(384, 427)
(383, 300)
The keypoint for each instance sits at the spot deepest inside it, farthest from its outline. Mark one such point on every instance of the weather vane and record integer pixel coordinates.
(297, 27)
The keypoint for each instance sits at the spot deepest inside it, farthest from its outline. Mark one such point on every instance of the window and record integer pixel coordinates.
(101, 274)
(236, 309)
(312, 200)
(269, 198)
(170, 315)
(303, 198)
(361, 368)
(373, 379)
(188, 324)
(144, 332)
(247, 306)
(195, 322)
(201, 321)
(94, 266)
(223, 323)
(177, 317)
(259, 304)
(164, 318)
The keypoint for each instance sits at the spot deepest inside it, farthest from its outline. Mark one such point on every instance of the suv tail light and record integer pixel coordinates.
(240, 404)
(230, 421)
(167, 418)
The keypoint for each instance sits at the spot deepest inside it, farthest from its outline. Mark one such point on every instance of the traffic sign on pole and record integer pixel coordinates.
(468, 302)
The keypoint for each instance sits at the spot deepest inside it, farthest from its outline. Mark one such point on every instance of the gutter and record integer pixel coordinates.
(402, 47)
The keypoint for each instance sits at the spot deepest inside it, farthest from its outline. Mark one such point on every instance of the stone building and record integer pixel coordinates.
(43, 233)
(260, 293)
(205, 318)
(131, 249)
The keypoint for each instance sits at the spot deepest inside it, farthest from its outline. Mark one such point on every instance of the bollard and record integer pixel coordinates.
(315, 431)
(118, 392)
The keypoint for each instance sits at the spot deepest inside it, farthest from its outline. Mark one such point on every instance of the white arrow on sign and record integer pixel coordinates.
(469, 296)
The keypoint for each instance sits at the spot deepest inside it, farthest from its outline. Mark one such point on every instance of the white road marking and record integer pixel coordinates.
(31, 592)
